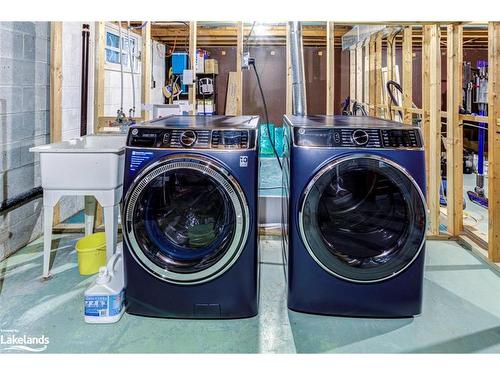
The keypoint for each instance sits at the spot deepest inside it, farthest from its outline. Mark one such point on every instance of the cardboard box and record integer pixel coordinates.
(211, 66)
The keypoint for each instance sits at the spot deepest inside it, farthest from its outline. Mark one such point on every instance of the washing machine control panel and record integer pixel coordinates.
(357, 137)
(191, 138)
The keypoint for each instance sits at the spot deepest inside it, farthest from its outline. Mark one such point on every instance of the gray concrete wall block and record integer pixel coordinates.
(10, 156)
(10, 100)
(42, 101)
(10, 70)
(42, 73)
(11, 44)
(16, 181)
(28, 104)
(42, 123)
(29, 47)
(12, 129)
(42, 49)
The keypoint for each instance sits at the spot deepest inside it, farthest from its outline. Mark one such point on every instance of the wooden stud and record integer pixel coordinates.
(289, 99)
(378, 74)
(330, 68)
(454, 133)
(425, 99)
(146, 72)
(372, 78)
(434, 147)
(390, 63)
(359, 73)
(56, 92)
(352, 76)
(192, 64)
(366, 74)
(239, 72)
(494, 141)
(407, 74)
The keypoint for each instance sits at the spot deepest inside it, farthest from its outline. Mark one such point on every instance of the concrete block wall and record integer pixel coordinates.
(24, 122)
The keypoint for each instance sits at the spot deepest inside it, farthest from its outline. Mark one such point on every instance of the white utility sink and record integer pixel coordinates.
(85, 163)
(91, 166)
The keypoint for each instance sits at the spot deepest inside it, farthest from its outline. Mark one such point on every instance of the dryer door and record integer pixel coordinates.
(363, 218)
(186, 219)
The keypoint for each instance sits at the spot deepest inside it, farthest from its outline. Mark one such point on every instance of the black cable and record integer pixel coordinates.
(398, 87)
(252, 62)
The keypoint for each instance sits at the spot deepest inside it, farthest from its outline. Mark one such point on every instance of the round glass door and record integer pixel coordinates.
(363, 218)
(186, 220)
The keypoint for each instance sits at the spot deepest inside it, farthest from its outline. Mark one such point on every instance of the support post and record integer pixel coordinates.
(366, 74)
(288, 109)
(494, 141)
(426, 98)
(390, 61)
(407, 74)
(454, 134)
(352, 76)
(330, 68)
(372, 78)
(359, 73)
(56, 93)
(146, 72)
(239, 72)
(378, 75)
(192, 64)
(434, 148)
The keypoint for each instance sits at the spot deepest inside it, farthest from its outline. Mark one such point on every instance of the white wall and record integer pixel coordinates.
(71, 95)
(158, 58)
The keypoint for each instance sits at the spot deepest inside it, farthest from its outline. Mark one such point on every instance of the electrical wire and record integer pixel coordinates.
(248, 36)
(271, 140)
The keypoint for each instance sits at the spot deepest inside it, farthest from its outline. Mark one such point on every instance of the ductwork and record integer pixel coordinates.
(299, 103)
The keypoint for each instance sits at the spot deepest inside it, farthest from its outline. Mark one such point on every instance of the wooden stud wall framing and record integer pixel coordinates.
(239, 57)
(146, 72)
(359, 73)
(494, 141)
(407, 75)
(192, 64)
(378, 75)
(352, 76)
(426, 99)
(434, 147)
(100, 45)
(366, 74)
(56, 92)
(330, 70)
(454, 133)
(372, 111)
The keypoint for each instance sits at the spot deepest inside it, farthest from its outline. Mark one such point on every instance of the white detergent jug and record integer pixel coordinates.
(104, 299)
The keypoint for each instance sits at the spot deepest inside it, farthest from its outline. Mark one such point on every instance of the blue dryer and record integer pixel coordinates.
(354, 216)
(190, 217)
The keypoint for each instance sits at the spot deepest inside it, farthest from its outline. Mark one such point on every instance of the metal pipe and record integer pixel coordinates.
(131, 61)
(121, 66)
(85, 79)
(299, 103)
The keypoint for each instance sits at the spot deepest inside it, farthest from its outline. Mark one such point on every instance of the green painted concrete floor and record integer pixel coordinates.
(461, 312)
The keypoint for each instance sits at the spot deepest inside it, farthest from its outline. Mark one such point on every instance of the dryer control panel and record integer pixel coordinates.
(227, 139)
(357, 137)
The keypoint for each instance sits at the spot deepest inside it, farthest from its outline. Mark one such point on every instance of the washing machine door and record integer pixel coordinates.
(363, 218)
(186, 219)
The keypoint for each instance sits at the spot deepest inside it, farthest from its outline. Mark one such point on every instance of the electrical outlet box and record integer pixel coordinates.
(245, 61)
(187, 77)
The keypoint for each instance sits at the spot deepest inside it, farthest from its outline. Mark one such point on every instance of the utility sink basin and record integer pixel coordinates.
(92, 162)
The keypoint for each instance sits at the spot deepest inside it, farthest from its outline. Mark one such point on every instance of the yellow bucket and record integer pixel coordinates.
(91, 251)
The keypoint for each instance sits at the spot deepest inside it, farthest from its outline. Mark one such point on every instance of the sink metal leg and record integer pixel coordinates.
(90, 209)
(48, 217)
(111, 227)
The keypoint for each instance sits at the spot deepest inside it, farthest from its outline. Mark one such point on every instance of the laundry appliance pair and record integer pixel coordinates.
(354, 216)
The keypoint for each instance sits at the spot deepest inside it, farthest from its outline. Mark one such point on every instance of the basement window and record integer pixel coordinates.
(113, 49)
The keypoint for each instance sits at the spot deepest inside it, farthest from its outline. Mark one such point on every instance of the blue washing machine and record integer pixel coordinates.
(354, 216)
(190, 217)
